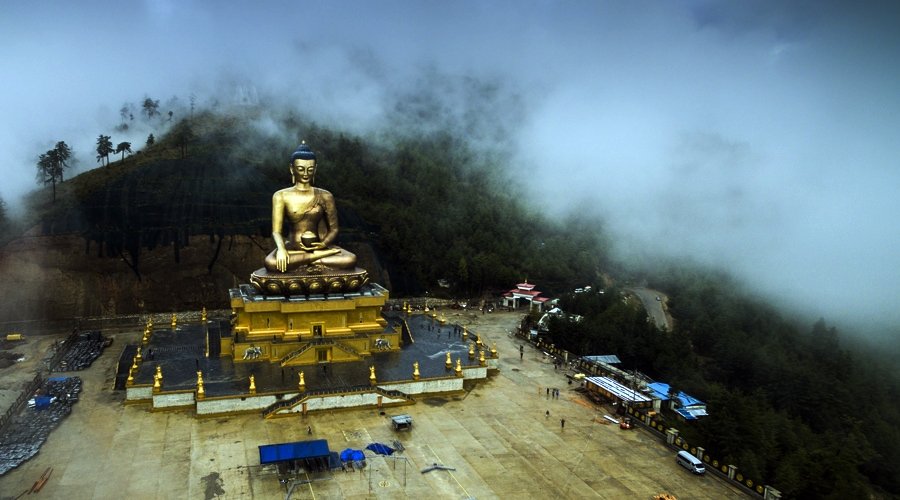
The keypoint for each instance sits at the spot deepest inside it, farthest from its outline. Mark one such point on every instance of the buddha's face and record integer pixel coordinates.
(303, 170)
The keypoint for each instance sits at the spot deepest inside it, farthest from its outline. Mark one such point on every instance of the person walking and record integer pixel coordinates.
(547, 415)
(562, 423)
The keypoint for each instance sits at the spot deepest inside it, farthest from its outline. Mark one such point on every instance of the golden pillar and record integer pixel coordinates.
(449, 362)
(478, 340)
(200, 392)
(465, 334)
(471, 351)
(302, 385)
(137, 356)
(174, 321)
(157, 379)
(372, 379)
(481, 360)
(203, 314)
(494, 351)
(416, 370)
(458, 367)
(130, 380)
(252, 384)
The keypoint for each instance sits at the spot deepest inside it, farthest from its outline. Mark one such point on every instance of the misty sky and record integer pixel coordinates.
(761, 137)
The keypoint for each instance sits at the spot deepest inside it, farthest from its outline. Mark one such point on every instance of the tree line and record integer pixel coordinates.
(52, 164)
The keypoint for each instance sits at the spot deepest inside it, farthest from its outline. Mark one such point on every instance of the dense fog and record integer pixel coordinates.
(760, 137)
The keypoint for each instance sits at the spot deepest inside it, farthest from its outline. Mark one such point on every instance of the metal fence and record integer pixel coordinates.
(20, 402)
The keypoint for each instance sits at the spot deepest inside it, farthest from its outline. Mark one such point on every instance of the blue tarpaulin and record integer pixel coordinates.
(381, 449)
(351, 454)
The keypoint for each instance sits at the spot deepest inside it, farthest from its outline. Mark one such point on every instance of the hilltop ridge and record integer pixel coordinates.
(179, 222)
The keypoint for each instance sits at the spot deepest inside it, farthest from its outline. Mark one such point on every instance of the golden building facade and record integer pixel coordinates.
(300, 331)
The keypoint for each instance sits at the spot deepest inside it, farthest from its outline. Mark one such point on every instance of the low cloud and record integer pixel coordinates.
(757, 137)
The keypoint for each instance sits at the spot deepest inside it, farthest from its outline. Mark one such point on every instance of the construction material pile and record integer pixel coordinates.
(23, 437)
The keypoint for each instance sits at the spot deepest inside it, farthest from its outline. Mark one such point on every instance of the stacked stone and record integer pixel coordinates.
(23, 437)
(81, 353)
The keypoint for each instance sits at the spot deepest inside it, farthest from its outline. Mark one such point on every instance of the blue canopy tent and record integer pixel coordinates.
(311, 456)
(352, 455)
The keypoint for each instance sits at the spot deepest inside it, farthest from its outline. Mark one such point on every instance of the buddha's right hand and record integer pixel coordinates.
(281, 259)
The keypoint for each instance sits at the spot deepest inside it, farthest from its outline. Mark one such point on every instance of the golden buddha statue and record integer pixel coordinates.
(305, 258)
(313, 218)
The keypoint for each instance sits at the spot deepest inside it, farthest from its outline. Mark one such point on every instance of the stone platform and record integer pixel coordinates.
(181, 353)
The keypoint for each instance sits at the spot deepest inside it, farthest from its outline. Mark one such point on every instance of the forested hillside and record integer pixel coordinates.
(788, 403)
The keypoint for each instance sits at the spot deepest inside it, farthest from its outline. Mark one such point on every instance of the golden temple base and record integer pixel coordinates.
(308, 330)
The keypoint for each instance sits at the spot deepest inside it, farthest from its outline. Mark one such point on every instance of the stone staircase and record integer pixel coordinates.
(273, 409)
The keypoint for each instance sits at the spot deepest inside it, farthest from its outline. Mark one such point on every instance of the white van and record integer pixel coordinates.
(690, 462)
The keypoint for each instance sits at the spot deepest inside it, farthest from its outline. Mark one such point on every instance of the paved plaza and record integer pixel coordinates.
(496, 436)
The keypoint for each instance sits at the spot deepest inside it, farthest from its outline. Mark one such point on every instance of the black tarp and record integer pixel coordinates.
(381, 449)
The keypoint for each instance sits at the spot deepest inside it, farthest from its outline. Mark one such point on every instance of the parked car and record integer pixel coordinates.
(690, 462)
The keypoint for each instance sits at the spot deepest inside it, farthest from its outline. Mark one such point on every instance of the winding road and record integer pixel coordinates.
(655, 308)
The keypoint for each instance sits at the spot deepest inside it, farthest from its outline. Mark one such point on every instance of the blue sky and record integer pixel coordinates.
(760, 137)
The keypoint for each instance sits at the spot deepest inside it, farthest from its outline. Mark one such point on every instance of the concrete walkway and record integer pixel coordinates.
(497, 437)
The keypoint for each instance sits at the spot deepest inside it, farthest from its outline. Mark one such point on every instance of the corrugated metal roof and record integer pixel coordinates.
(610, 359)
(618, 390)
(660, 390)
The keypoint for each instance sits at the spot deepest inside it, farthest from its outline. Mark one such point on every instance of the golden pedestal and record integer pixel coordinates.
(311, 280)
(301, 330)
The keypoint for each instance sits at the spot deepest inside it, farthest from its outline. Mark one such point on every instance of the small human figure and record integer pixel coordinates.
(548, 392)
(562, 423)
(309, 429)
(547, 415)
